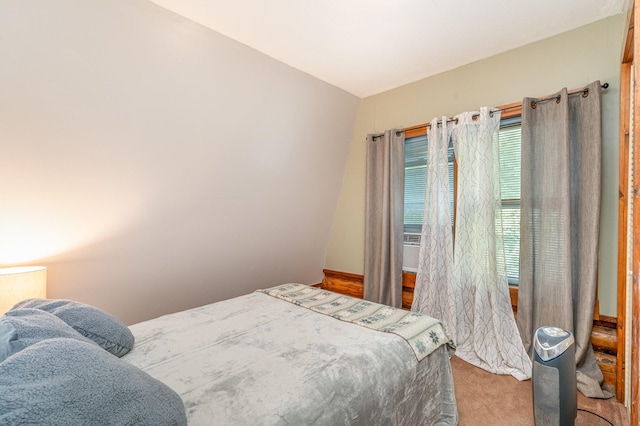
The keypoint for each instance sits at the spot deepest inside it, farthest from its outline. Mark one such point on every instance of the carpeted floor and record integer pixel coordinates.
(489, 399)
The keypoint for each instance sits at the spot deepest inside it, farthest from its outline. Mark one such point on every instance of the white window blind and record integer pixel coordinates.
(415, 180)
(509, 140)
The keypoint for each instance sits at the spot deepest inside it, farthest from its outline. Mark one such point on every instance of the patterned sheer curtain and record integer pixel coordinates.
(384, 218)
(434, 291)
(560, 215)
(487, 335)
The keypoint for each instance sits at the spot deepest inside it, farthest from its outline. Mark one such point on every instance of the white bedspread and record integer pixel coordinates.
(258, 360)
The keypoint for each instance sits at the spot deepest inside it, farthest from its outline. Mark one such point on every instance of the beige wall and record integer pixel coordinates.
(154, 165)
(568, 60)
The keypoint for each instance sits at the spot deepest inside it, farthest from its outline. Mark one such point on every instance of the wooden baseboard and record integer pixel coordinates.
(603, 336)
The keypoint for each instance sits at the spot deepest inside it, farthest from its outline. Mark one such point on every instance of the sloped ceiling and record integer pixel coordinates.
(369, 46)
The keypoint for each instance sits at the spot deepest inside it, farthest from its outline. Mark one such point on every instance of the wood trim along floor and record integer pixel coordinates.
(603, 337)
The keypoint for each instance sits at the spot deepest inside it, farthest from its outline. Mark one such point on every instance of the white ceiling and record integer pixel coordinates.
(369, 46)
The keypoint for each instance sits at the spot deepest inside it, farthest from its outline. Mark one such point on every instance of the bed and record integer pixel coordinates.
(288, 355)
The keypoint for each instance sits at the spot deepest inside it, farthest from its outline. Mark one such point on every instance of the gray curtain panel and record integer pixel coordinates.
(384, 218)
(560, 202)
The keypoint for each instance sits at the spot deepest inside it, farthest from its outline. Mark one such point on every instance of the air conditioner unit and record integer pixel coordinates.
(412, 239)
(555, 393)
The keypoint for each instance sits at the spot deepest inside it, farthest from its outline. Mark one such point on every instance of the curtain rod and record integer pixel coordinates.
(584, 91)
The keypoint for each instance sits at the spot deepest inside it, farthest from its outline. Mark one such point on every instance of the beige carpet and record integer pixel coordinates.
(490, 399)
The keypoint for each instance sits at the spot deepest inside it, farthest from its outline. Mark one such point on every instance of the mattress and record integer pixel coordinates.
(261, 360)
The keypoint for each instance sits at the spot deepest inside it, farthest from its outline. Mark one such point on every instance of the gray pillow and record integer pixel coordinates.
(21, 328)
(93, 323)
(68, 382)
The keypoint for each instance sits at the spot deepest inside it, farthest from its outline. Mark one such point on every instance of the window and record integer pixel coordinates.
(415, 187)
(509, 139)
(415, 180)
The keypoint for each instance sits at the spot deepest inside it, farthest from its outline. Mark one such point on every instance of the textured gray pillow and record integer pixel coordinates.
(68, 382)
(21, 328)
(93, 323)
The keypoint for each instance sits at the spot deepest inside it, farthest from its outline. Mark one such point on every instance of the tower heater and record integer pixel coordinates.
(555, 393)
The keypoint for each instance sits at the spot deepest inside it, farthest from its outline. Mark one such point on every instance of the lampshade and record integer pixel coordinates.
(20, 283)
